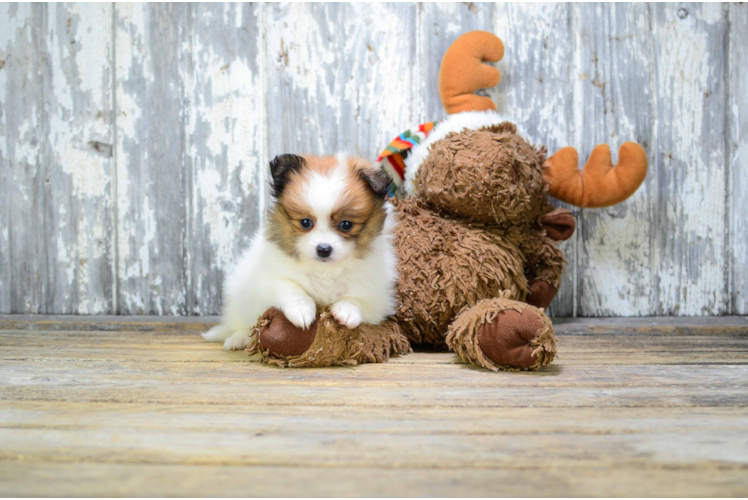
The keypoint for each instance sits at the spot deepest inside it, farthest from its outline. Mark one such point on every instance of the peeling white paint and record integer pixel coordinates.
(690, 266)
(27, 150)
(149, 223)
(86, 169)
(346, 69)
(613, 279)
(237, 19)
(9, 30)
(225, 130)
(738, 120)
(59, 202)
(64, 259)
(80, 87)
(252, 80)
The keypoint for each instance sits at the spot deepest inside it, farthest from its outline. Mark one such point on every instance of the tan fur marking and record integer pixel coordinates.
(284, 226)
(360, 206)
(281, 230)
(320, 164)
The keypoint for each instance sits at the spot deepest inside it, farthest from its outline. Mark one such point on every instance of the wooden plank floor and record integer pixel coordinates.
(145, 407)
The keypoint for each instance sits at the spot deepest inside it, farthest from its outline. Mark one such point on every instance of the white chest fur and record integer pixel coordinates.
(325, 289)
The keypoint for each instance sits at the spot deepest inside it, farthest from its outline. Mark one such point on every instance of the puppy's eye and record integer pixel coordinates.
(345, 226)
(306, 223)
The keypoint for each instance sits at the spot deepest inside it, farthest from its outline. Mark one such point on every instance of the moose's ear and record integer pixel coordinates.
(559, 224)
(377, 180)
(281, 168)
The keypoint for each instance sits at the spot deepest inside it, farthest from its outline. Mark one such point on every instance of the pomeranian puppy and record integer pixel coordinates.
(327, 241)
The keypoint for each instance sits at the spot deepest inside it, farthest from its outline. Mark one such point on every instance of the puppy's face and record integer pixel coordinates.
(327, 209)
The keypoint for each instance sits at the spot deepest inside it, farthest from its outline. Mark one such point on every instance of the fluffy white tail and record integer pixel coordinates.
(218, 333)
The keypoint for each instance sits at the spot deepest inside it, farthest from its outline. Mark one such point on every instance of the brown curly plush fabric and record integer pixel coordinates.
(502, 334)
(489, 175)
(326, 343)
(446, 265)
(478, 227)
(473, 230)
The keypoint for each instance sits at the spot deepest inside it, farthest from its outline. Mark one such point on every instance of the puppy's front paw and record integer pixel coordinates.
(301, 313)
(346, 314)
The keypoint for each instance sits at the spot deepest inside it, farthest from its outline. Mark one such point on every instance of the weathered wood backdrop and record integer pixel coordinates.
(134, 138)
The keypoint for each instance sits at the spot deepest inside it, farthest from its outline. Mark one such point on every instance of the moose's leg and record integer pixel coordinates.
(503, 334)
(545, 265)
(325, 343)
(545, 261)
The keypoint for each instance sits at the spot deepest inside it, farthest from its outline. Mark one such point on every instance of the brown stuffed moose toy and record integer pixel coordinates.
(476, 236)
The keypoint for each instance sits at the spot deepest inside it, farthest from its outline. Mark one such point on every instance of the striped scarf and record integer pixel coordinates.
(392, 159)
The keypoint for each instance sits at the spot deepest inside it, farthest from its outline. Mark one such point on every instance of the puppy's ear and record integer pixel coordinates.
(377, 180)
(281, 168)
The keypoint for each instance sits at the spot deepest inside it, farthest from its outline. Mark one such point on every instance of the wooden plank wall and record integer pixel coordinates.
(134, 138)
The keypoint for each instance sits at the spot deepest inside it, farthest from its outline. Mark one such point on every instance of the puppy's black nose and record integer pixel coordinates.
(324, 250)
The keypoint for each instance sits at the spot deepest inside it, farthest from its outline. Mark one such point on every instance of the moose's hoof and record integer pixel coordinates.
(281, 337)
(541, 293)
(508, 339)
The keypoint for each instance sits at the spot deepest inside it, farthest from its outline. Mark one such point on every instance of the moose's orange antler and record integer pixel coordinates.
(463, 72)
(599, 183)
